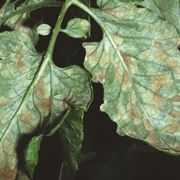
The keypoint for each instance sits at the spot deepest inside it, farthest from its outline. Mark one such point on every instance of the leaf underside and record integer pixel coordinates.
(138, 64)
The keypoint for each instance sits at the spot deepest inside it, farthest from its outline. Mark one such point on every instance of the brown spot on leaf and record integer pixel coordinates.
(101, 76)
(26, 118)
(174, 114)
(4, 101)
(40, 89)
(127, 60)
(111, 12)
(172, 128)
(18, 60)
(126, 79)
(45, 104)
(172, 65)
(134, 113)
(175, 99)
(157, 100)
(159, 81)
(6, 173)
(153, 139)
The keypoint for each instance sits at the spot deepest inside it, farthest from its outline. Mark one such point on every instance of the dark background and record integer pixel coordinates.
(116, 158)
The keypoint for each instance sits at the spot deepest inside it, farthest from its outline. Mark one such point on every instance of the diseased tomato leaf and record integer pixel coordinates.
(33, 93)
(138, 64)
(71, 134)
(106, 3)
(167, 10)
(11, 7)
(70, 130)
(77, 28)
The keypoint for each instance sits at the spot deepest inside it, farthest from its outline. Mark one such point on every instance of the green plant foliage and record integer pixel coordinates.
(77, 28)
(167, 10)
(137, 62)
(70, 129)
(71, 134)
(32, 93)
(44, 29)
(32, 154)
(8, 14)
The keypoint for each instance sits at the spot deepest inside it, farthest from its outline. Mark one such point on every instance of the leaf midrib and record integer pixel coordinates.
(30, 88)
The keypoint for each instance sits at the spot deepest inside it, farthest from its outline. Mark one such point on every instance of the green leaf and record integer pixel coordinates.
(71, 134)
(44, 29)
(70, 129)
(107, 3)
(77, 28)
(167, 10)
(32, 154)
(137, 62)
(33, 92)
(16, 20)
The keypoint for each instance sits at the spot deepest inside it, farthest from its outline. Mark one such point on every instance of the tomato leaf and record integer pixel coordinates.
(167, 10)
(33, 93)
(137, 62)
(16, 20)
(70, 129)
(77, 28)
(44, 29)
(71, 134)
(32, 154)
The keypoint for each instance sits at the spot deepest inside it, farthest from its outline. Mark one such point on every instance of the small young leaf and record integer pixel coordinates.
(77, 28)
(44, 29)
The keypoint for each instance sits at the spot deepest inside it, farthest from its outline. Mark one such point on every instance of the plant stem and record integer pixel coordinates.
(57, 28)
(30, 8)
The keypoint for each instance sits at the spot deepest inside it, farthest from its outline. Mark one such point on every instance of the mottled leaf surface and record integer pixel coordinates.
(70, 130)
(14, 6)
(33, 92)
(138, 64)
(167, 10)
(77, 28)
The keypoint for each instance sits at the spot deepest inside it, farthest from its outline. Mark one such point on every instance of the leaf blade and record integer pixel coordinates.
(128, 62)
(77, 28)
(34, 92)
